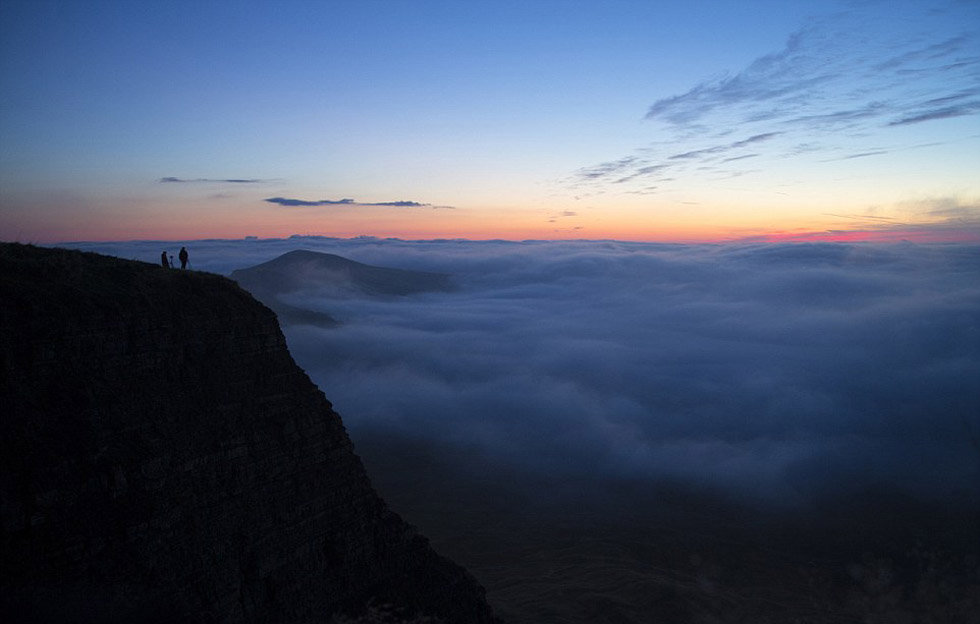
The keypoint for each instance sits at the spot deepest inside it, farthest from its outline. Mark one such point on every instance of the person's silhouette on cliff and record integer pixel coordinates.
(164, 261)
(183, 258)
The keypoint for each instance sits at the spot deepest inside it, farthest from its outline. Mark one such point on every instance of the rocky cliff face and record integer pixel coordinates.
(164, 459)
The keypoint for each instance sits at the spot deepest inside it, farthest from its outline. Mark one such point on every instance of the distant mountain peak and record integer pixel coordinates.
(302, 269)
(331, 276)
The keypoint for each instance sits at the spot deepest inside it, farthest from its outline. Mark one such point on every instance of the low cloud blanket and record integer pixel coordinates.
(776, 372)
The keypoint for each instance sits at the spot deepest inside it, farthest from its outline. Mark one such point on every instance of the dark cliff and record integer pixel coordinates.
(164, 459)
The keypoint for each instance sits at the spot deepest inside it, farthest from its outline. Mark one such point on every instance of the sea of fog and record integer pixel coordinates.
(777, 372)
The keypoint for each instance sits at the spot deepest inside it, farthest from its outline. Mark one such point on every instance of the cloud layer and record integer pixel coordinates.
(780, 372)
(287, 201)
(172, 180)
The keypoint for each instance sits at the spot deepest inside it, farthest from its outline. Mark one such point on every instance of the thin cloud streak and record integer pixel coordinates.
(172, 180)
(969, 108)
(287, 201)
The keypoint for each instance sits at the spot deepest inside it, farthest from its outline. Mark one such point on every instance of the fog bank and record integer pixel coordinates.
(780, 372)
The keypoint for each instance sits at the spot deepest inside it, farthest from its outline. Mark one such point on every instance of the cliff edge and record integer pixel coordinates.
(163, 459)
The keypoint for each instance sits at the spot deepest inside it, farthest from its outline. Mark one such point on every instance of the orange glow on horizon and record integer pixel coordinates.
(197, 222)
(652, 235)
(872, 236)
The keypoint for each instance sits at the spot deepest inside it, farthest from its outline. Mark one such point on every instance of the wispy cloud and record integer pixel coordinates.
(172, 180)
(399, 204)
(288, 201)
(561, 215)
(862, 154)
(946, 112)
(843, 82)
(718, 149)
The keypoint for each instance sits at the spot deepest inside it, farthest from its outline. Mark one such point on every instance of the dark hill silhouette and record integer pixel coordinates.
(301, 269)
(332, 276)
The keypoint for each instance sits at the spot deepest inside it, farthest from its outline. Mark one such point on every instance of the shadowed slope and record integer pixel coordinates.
(163, 459)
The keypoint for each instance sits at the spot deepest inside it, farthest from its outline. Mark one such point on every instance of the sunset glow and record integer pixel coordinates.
(642, 121)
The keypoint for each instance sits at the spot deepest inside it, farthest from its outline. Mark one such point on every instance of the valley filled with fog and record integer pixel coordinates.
(607, 388)
(777, 371)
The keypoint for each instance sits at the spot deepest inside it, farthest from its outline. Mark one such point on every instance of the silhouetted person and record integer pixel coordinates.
(164, 261)
(173, 265)
(183, 258)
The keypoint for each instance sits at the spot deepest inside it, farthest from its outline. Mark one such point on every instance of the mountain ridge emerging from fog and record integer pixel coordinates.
(332, 276)
(164, 459)
(300, 269)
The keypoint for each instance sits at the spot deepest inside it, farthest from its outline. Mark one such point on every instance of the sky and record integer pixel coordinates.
(779, 373)
(765, 120)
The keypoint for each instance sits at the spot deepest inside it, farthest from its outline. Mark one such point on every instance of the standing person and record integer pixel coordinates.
(183, 258)
(164, 261)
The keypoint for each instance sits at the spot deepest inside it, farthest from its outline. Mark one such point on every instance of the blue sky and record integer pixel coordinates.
(643, 120)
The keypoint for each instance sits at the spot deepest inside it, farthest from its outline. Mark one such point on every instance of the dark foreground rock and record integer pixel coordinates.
(164, 460)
